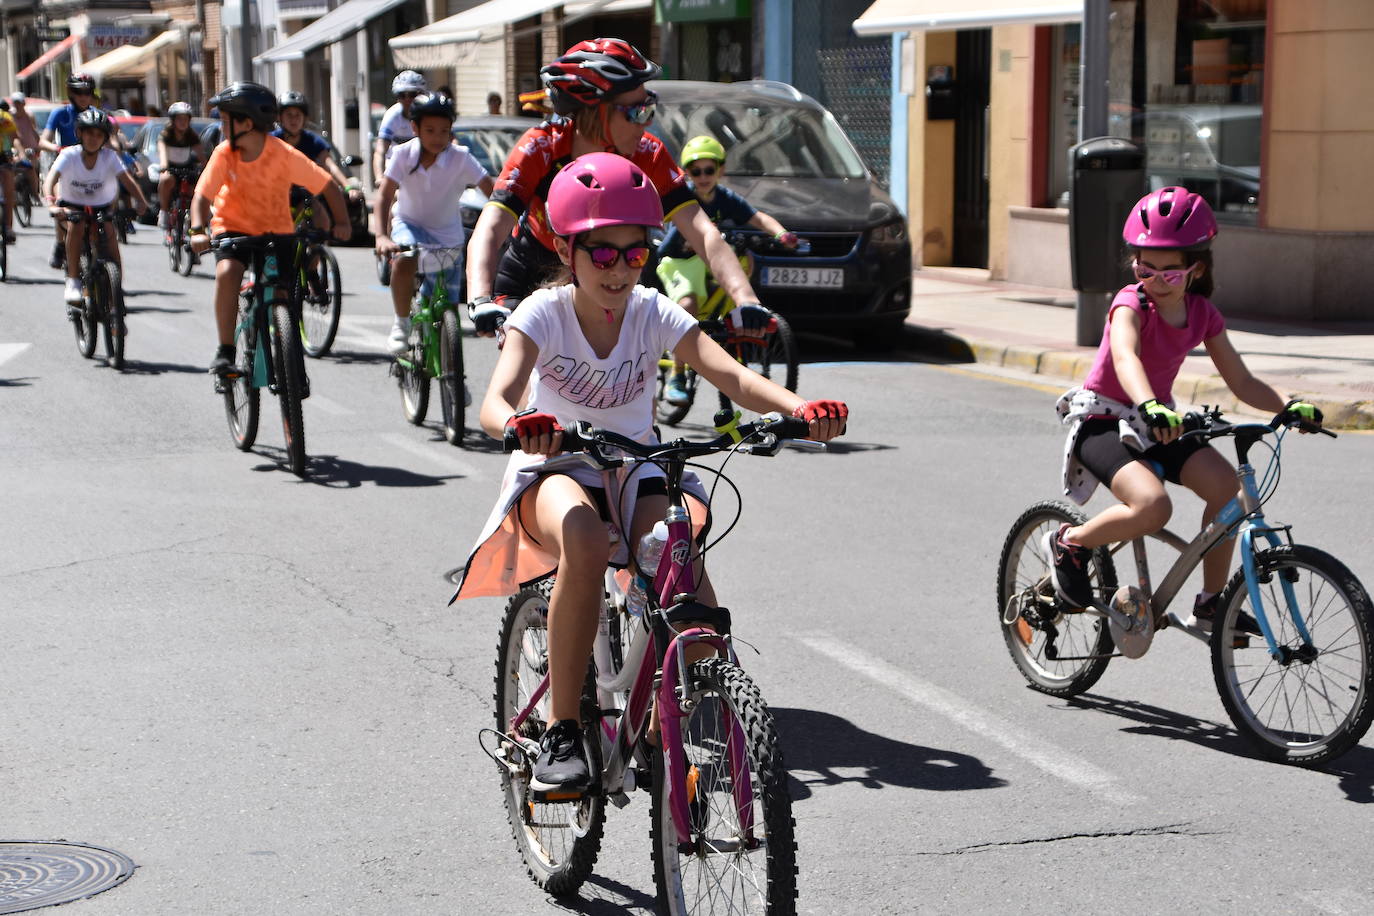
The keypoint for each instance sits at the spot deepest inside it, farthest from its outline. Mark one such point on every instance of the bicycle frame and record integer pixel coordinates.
(429, 312)
(674, 578)
(1241, 516)
(266, 277)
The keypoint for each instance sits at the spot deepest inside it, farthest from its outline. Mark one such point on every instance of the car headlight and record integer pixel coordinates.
(890, 233)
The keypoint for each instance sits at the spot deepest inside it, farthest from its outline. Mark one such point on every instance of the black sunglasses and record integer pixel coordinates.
(706, 171)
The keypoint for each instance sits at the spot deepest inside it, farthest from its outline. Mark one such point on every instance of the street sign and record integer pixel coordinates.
(52, 33)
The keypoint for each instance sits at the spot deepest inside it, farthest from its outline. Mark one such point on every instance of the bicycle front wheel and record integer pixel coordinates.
(176, 252)
(240, 397)
(1060, 651)
(559, 841)
(112, 321)
(453, 391)
(4, 260)
(1312, 703)
(290, 372)
(189, 259)
(86, 317)
(414, 379)
(742, 855)
(23, 203)
(323, 301)
(774, 356)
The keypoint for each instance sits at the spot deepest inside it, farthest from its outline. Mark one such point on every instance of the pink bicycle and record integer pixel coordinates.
(721, 823)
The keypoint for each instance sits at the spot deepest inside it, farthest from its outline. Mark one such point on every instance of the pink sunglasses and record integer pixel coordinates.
(1171, 277)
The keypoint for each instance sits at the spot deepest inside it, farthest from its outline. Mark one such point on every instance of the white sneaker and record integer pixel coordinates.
(72, 292)
(399, 341)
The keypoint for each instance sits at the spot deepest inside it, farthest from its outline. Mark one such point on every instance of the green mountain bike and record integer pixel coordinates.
(436, 344)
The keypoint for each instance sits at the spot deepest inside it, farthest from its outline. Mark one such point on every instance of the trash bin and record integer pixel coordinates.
(1108, 178)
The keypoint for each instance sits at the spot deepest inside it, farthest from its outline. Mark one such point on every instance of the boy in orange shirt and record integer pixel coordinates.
(248, 181)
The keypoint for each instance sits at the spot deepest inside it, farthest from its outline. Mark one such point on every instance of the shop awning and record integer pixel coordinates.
(441, 43)
(338, 23)
(128, 59)
(886, 16)
(48, 56)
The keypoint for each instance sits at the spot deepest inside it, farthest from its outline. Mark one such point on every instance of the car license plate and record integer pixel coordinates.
(814, 277)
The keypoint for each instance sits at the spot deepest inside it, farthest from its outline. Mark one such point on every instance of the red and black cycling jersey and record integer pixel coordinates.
(543, 151)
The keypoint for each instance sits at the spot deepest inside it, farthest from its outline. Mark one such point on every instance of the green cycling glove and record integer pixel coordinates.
(1159, 416)
(1302, 410)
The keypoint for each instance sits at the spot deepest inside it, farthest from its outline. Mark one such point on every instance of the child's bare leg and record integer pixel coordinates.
(1212, 478)
(1144, 509)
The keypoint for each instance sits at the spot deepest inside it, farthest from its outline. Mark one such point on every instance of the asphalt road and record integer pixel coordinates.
(252, 685)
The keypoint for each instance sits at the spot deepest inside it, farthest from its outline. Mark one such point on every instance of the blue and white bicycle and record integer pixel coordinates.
(1300, 690)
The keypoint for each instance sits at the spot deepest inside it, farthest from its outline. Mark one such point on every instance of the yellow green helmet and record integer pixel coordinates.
(702, 147)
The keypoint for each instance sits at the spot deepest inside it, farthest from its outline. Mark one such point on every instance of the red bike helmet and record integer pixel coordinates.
(602, 189)
(1170, 218)
(592, 70)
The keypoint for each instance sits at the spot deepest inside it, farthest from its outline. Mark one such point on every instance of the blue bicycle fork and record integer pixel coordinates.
(1253, 524)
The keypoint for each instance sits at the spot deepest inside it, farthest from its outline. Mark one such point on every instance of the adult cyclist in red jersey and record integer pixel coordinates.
(597, 89)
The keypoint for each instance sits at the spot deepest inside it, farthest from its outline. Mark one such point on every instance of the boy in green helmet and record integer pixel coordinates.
(682, 270)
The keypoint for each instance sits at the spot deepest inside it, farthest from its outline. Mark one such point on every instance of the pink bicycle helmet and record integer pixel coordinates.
(1170, 218)
(602, 189)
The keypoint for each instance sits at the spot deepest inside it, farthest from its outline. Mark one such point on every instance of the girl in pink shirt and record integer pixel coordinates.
(1151, 327)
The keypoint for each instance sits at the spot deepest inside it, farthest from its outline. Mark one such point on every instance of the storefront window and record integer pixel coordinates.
(1186, 83)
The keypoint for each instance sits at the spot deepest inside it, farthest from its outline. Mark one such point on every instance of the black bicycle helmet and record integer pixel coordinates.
(593, 70)
(435, 105)
(294, 99)
(248, 100)
(94, 117)
(81, 82)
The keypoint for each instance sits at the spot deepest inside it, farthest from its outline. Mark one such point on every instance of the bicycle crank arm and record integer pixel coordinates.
(1199, 635)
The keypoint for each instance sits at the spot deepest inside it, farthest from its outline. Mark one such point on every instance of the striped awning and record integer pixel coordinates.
(887, 16)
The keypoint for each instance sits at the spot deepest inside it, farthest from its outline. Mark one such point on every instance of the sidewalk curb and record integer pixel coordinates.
(1070, 366)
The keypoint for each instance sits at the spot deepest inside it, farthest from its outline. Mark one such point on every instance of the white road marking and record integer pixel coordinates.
(137, 321)
(1053, 760)
(440, 453)
(330, 406)
(9, 351)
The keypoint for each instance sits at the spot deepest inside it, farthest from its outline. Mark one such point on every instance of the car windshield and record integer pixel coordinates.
(491, 145)
(764, 140)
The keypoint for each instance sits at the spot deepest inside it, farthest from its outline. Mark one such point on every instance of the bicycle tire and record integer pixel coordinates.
(558, 841)
(241, 399)
(112, 321)
(413, 380)
(668, 414)
(86, 317)
(4, 260)
(1023, 575)
(320, 311)
(189, 259)
(176, 253)
(751, 877)
(23, 203)
(775, 356)
(1331, 692)
(452, 389)
(288, 363)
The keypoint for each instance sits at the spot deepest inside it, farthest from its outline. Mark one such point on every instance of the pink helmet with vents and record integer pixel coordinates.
(602, 189)
(1170, 218)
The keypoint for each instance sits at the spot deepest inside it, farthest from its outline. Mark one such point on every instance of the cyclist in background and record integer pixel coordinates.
(1152, 325)
(177, 146)
(248, 180)
(396, 124)
(425, 176)
(60, 132)
(9, 145)
(295, 110)
(599, 85)
(684, 273)
(89, 174)
(559, 343)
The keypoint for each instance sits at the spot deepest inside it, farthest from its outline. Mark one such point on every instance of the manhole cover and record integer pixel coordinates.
(34, 875)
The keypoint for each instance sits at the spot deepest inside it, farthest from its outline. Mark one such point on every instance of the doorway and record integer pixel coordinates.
(974, 66)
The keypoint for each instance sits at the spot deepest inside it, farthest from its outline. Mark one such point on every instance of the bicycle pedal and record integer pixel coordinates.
(556, 796)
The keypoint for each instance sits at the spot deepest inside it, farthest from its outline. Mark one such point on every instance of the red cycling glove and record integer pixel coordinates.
(529, 424)
(821, 410)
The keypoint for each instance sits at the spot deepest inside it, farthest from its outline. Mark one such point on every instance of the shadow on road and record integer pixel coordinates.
(139, 367)
(351, 357)
(1166, 723)
(12, 280)
(605, 897)
(140, 309)
(135, 293)
(340, 473)
(18, 382)
(816, 745)
(1355, 772)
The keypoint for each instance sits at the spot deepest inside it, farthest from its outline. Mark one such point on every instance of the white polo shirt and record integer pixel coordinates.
(428, 197)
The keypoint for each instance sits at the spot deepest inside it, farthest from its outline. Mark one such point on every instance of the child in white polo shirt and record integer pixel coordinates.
(425, 176)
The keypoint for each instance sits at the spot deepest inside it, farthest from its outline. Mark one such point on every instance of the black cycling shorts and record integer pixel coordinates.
(1102, 452)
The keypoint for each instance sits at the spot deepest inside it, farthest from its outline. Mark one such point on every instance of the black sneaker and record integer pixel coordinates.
(561, 766)
(1205, 616)
(1069, 569)
(59, 256)
(10, 237)
(223, 361)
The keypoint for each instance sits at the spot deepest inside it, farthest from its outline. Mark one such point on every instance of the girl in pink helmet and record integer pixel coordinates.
(1125, 427)
(589, 350)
